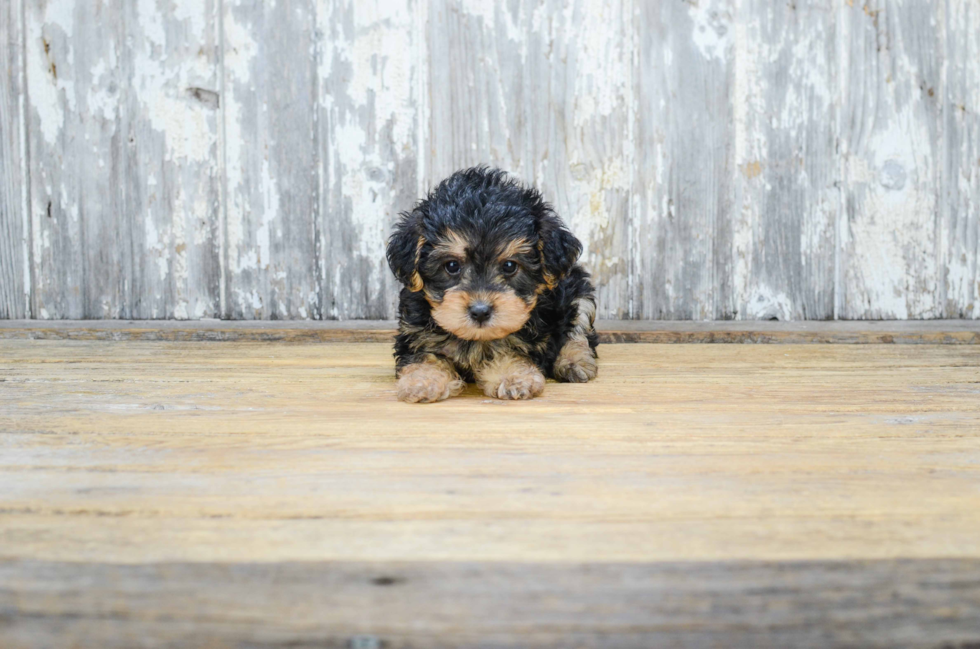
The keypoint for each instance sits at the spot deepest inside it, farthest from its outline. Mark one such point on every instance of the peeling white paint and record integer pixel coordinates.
(711, 32)
(494, 16)
(239, 53)
(896, 273)
(369, 107)
(270, 202)
(190, 11)
(548, 89)
(601, 89)
(753, 52)
(50, 49)
(162, 83)
(150, 20)
(766, 304)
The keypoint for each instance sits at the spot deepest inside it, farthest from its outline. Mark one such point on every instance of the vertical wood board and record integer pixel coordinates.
(719, 159)
(682, 189)
(961, 191)
(77, 144)
(369, 74)
(891, 155)
(271, 161)
(14, 228)
(123, 137)
(476, 68)
(786, 174)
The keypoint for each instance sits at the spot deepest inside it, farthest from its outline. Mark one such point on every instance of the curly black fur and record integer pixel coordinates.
(487, 210)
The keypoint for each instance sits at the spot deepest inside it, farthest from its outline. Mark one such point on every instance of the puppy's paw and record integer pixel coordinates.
(427, 383)
(576, 363)
(524, 382)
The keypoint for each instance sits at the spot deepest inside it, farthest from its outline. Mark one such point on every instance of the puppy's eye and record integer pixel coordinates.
(453, 267)
(509, 267)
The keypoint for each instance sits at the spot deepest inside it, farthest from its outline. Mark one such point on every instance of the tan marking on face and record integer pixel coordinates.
(452, 245)
(509, 314)
(509, 376)
(415, 285)
(415, 281)
(549, 279)
(514, 249)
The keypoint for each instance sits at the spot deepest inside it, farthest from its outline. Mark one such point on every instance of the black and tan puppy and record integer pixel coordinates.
(492, 293)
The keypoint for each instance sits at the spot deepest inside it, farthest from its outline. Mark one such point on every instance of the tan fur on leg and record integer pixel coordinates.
(510, 377)
(428, 382)
(576, 362)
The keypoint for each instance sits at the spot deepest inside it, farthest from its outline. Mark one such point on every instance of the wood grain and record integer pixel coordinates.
(682, 192)
(786, 177)
(190, 494)
(124, 160)
(891, 154)
(820, 604)
(961, 192)
(477, 86)
(720, 159)
(930, 332)
(272, 269)
(371, 77)
(68, 225)
(138, 452)
(15, 286)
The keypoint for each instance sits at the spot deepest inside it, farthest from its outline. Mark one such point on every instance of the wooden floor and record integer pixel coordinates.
(181, 494)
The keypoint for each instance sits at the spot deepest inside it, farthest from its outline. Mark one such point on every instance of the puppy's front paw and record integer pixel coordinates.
(576, 363)
(524, 382)
(427, 383)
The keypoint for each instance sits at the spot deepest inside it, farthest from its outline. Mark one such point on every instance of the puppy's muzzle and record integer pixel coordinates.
(480, 312)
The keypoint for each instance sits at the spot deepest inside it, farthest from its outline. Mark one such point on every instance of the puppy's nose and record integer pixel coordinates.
(480, 312)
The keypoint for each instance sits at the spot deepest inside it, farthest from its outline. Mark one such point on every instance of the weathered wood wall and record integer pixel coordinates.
(720, 159)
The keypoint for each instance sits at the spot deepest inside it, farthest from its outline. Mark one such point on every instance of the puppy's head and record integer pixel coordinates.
(482, 248)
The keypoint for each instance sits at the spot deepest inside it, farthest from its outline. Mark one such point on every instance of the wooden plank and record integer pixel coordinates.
(124, 159)
(787, 175)
(202, 494)
(962, 332)
(370, 77)
(476, 55)
(961, 193)
(579, 65)
(272, 267)
(173, 163)
(72, 151)
(891, 148)
(234, 452)
(308, 331)
(890, 603)
(948, 332)
(14, 225)
(683, 169)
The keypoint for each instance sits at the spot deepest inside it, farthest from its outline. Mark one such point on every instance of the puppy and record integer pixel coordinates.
(492, 293)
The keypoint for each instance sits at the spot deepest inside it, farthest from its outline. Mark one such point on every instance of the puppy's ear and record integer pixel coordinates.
(404, 249)
(559, 247)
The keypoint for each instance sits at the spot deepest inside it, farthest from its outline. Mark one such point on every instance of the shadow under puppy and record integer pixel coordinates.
(492, 293)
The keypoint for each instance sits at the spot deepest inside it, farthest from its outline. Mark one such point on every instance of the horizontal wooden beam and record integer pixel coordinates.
(610, 331)
(278, 495)
(890, 603)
